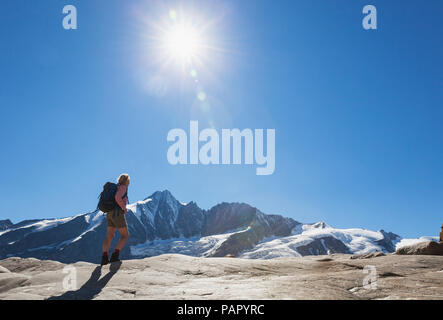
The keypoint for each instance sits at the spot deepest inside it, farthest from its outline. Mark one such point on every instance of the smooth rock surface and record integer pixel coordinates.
(175, 276)
(4, 270)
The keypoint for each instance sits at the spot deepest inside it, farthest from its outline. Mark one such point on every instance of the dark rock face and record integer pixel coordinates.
(5, 224)
(228, 216)
(29, 242)
(190, 220)
(163, 217)
(88, 248)
(25, 223)
(423, 248)
(322, 246)
(388, 240)
(258, 224)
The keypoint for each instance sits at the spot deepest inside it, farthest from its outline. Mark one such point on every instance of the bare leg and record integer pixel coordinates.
(124, 236)
(109, 236)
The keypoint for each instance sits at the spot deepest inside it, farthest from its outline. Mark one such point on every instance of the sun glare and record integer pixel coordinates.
(183, 44)
(181, 51)
(182, 39)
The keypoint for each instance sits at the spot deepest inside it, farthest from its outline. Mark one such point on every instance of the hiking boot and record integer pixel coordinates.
(104, 260)
(114, 257)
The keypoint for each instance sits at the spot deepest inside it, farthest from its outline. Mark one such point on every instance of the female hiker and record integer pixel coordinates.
(116, 220)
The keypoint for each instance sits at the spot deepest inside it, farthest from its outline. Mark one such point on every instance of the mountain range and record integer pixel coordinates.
(161, 224)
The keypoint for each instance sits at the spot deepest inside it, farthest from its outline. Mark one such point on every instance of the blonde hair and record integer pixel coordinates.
(123, 178)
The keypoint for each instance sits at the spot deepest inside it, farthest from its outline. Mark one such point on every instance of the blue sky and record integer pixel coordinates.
(357, 113)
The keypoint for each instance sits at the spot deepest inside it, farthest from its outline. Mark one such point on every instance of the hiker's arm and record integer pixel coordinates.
(118, 197)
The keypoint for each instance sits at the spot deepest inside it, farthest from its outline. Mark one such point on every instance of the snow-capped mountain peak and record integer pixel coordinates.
(162, 224)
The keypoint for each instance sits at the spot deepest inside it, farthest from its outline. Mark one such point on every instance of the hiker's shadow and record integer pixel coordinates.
(92, 287)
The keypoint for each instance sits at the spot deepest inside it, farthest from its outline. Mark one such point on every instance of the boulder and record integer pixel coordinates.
(368, 255)
(423, 248)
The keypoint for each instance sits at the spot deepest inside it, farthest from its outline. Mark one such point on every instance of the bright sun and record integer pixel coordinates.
(183, 43)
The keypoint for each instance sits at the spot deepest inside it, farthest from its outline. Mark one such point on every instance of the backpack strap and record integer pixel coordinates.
(126, 195)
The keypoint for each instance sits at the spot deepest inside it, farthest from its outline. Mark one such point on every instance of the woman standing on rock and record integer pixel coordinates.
(116, 220)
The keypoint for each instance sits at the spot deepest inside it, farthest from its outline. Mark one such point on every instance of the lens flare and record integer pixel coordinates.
(201, 96)
(172, 14)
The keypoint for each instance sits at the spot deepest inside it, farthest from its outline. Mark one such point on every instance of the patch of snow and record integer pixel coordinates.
(298, 229)
(358, 241)
(324, 246)
(146, 208)
(47, 247)
(94, 218)
(194, 246)
(45, 224)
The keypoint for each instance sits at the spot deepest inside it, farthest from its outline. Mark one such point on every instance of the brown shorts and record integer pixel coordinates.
(116, 218)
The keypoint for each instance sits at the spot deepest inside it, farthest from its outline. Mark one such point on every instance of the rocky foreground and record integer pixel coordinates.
(175, 276)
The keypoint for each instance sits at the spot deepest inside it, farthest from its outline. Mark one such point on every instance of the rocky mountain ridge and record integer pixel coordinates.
(161, 224)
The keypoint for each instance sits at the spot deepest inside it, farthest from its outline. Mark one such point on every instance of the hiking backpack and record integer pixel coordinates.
(107, 201)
